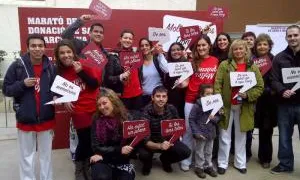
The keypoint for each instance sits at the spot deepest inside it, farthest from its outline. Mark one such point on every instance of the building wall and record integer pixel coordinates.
(243, 12)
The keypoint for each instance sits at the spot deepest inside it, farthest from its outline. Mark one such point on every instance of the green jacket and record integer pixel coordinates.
(222, 86)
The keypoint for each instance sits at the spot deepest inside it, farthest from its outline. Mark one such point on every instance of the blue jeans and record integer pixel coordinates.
(288, 116)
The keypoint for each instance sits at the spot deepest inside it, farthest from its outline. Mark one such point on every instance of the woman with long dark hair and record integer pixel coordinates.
(221, 46)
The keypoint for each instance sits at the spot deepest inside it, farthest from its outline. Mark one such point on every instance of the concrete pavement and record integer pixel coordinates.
(63, 167)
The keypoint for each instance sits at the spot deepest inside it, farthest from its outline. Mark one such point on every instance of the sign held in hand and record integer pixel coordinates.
(245, 79)
(95, 57)
(137, 129)
(131, 60)
(190, 32)
(174, 128)
(264, 64)
(217, 12)
(68, 90)
(213, 102)
(102, 10)
(182, 69)
(291, 75)
(158, 34)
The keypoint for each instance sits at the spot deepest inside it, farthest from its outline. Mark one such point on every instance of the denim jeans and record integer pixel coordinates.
(288, 116)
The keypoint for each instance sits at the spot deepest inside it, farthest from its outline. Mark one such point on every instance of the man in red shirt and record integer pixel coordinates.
(28, 81)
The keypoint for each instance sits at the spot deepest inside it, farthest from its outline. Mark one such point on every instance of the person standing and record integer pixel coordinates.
(288, 112)
(28, 80)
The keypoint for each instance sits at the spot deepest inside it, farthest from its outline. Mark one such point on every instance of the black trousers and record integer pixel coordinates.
(265, 147)
(102, 171)
(174, 154)
(83, 149)
(134, 103)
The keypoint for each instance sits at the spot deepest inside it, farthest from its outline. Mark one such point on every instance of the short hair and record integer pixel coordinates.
(239, 42)
(126, 31)
(145, 39)
(262, 37)
(247, 34)
(35, 36)
(203, 87)
(160, 89)
(292, 27)
(96, 24)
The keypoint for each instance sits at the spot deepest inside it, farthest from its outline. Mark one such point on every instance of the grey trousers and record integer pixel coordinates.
(203, 153)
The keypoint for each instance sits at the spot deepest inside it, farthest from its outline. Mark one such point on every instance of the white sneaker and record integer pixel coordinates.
(184, 168)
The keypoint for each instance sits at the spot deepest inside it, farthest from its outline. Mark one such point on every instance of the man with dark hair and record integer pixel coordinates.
(96, 33)
(28, 81)
(155, 112)
(288, 100)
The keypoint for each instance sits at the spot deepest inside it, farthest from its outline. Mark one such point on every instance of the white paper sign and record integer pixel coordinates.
(245, 79)
(291, 75)
(213, 102)
(174, 23)
(158, 34)
(182, 69)
(68, 90)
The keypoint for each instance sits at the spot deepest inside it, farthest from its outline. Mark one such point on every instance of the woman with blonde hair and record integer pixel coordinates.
(111, 152)
(238, 111)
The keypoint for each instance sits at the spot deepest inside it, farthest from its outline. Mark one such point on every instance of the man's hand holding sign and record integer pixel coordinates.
(174, 128)
(245, 79)
(137, 129)
(291, 75)
(214, 103)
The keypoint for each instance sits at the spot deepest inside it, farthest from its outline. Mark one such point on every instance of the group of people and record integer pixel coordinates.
(115, 94)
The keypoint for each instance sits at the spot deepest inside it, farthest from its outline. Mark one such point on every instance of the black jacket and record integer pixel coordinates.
(24, 98)
(285, 59)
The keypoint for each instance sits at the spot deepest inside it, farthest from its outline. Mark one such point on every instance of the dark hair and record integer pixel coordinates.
(159, 89)
(145, 39)
(292, 27)
(196, 58)
(96, 24)
(126, 31)
(203, 87)
(169, 57)
(247, 34)
(63, 42)
(262, 37)
(217, 52)
(35, 36)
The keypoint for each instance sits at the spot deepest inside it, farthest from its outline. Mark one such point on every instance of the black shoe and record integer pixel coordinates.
(200, 173)
(277, 170)
(167, 167)
(210, 171)
(242, 170)
(265, 165)
(146, 171)
(221, 170)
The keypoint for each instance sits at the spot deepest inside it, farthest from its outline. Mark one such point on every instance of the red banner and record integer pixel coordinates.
(138, 129)
(95, 57)
(218, 12)
(264, 64)
(174, 128)
(131, 60)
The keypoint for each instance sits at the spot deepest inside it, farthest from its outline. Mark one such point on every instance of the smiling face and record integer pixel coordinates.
(293, 38)
(239, 52)
(105, 106)
(97, 34)
(36, 49)
(250, 41)
(145, 47)
(222, 42)
(203, 48)
(126, 40)
(66, 55)
(160, 99)
(176, 52)
(262, 48)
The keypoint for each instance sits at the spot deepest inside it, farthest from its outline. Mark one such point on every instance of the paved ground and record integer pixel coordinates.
(63, 166)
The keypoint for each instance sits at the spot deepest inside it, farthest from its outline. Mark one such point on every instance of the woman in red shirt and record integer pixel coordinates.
(205, 68)
(87, 77)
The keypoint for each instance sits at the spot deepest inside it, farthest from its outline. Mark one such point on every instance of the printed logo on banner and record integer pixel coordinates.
(291, 75)
(218, 12)
(138, 129)
(245, 79)
(191, 33)
(101, 9)
(174, 23)
(95, 57)
(264, 64)
(174, 128)
(131, 60)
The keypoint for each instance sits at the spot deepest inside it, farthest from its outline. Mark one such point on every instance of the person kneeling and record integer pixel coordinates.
(155, 112)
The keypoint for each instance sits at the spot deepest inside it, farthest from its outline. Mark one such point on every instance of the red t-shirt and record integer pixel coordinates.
(45, 125)
(235, 90)
(132, 87)
(85, 106)
(205, 75)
